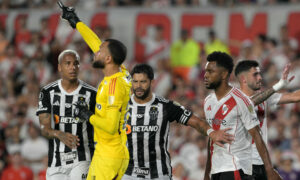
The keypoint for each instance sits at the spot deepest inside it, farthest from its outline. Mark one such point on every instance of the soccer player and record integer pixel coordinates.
(111, 155)
(249, 76)
(71, 144)
(228, 107)
(148, 123)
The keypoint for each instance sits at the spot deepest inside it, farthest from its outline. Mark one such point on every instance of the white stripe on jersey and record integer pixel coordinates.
(167, 147)
(157, 139)
(146, 140)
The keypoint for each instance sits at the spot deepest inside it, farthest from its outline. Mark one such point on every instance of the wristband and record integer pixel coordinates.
(210, 130)
(280, 84)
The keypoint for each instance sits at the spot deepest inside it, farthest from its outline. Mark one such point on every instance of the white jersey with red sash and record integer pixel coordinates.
(235, 111)
(261, 111)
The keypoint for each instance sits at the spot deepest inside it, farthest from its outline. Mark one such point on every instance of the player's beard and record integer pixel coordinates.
(98, 64)
(214, 85)
(145, 95)
(254, 87)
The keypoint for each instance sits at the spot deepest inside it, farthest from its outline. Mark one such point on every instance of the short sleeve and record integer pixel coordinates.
(247, 113)
(273, 100)
(44, 105)
(177, 112)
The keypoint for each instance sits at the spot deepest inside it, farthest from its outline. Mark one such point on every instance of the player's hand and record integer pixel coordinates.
(284, 81)
(273, 174)
(82, 110)
(68, 13)
(68, 139)
(220, 137)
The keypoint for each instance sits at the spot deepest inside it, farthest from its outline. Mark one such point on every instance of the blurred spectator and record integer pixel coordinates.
(214, 44)
(286, 170)
(16, 170)
(156, 47)
(34, 149)
(22, 35)
(184, 56)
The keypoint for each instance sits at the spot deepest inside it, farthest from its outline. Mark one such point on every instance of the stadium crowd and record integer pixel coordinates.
(28, 61)
(45, 4)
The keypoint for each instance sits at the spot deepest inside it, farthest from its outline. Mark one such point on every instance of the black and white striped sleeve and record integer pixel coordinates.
(178, 113)
(44, 105)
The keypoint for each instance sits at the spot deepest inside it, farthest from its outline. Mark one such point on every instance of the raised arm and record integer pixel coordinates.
(92, 40)
(284, 81)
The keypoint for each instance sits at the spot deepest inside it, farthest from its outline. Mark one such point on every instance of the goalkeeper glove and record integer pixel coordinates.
(82, 111)
(68, 13)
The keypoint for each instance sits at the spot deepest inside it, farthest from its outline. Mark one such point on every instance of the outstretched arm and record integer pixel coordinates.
(284, 81)
(92, 40)
(219, 137)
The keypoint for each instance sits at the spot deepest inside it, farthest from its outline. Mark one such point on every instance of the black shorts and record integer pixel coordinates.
(231, 175)
(259, 172)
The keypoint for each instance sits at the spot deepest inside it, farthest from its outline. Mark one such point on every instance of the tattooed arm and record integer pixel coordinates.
(284, 81)
(262, 96)
(68, 139)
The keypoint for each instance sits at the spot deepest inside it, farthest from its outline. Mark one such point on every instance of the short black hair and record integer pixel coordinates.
(117, 50)
(244, 66)
(143, 68)
(222, 59)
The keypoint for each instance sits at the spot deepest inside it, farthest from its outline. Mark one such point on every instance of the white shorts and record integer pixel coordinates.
(74, 171)
(126, 177)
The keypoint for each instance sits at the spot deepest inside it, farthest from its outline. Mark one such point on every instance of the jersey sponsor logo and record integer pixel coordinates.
(68, 156)
(56, 103)
(98, 106)
(65, 120)
(214, 121)
(162, 99)
(135, 128)
(141, 171)
(224, 109)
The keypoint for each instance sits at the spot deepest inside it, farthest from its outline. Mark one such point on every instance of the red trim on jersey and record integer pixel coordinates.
(237, 175)
(237, 122)
(112, 86)
(238, 94)
(260, 115)
(221, 114)
(219, 117)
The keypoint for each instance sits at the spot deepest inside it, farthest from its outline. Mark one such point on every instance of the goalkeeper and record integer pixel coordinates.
(111, 155)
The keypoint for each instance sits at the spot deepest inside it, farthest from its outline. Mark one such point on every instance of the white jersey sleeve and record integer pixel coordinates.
(248, 115)
(273, 100)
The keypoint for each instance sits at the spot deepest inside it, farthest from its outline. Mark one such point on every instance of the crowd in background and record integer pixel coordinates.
(14, 4)
(28, 61)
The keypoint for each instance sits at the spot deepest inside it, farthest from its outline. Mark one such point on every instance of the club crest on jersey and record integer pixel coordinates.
(98, 106)
(224, 109)
(208, 108)
(153, 113)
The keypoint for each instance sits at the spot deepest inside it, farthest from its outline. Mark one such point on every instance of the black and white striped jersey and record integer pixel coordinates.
(148, 133)
(53, 99)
